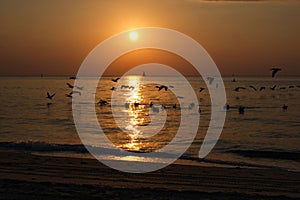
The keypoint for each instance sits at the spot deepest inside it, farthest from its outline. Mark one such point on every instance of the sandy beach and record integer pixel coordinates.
(25, 176)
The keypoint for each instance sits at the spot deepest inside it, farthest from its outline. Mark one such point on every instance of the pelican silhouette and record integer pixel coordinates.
(50, 96)
(115, 80)
(274, 71)
(162, 87)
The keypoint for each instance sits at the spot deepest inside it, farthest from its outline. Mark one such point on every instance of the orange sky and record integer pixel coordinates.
(53, 37)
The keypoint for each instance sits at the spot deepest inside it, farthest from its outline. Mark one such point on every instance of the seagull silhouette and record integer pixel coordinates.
(69, 85)
(69, 95)
(115, 80)
(291, 86)
(72, 77)
(274, 71)
(239, 88)
(273, 88)
(210, 80)
(162, 87)
(282, 88)
(262, 88)
(201, 89)
(75, 92)
(254, 88)
(50, 96)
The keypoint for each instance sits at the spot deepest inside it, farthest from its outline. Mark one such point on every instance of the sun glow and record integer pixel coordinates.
(133, 36)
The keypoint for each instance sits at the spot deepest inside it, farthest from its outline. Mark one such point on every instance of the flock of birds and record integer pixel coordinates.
(241, 109)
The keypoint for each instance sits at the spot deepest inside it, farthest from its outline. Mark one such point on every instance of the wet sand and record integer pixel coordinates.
(27, 176)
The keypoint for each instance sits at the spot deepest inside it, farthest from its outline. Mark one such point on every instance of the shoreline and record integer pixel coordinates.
(24, 175)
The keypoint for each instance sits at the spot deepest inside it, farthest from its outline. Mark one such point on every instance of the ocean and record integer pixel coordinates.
(264, 136)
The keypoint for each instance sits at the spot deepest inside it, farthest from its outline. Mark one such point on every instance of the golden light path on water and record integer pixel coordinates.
(136, 115)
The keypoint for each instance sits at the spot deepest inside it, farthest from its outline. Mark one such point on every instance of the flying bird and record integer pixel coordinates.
(102, 102)
(273, 88)
(262, 88)
(115, 80)
(113, 88)
(69, 95)
(72, 77)
(201, 89)
(282, 88)
(239, 88)
(75, 92)
(69, 85)
(162, 87)
(274, 71)
(254, 88)
(210, 80)
(50, 96)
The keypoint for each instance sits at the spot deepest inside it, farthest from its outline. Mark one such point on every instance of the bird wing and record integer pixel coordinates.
(52, 95)
(70, 86)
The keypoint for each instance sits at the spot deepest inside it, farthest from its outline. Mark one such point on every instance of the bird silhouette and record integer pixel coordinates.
(50, 96)
(239, 88)
(69, 85)
(113, 88)
(274, 71)
(254, 88)
(282, 88)
(241, 109)
(201, 89)
(210, 80)
(162, 87)
(291, 86)
(284, 107)
(102, 102)
(75, 92)
(115, 80)
(69, 95)
(72, 77)
(273, 88)
(262, 88)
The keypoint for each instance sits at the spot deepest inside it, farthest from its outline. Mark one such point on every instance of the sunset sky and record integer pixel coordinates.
(243, 37)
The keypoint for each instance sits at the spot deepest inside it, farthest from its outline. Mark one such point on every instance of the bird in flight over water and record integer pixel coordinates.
(115, 80)
(274, 71)
(50, 96)
(162, 87)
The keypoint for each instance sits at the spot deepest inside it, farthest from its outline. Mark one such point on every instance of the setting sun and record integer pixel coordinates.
(133, 36)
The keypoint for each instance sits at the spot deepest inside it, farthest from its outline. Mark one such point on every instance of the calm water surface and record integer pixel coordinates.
(264, 136)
